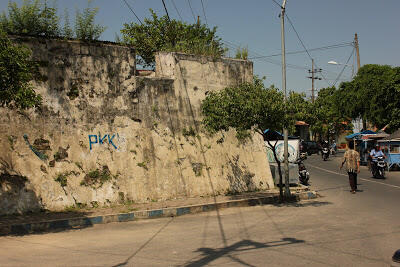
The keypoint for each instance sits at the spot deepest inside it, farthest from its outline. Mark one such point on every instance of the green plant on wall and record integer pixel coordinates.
(62, 178)
(96, 178)
(32, 18)
(85, 27)
(38, 18)
(161, 34)
(188, 132)
(16, 72)
(242, 53)
(142, 165)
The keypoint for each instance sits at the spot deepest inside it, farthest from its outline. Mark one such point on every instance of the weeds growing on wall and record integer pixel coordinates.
(96, 178)
(38, 18)
(62, 178)
(188, 132)
(162, 34)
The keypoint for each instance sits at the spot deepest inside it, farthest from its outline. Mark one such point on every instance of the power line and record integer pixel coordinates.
(313, 49)
(166, 11)
(301, 41)
(176, 9)
(194, 17)
(345, 65)
(133, 12)
(260, 58)
(204, 12)
(277, 3)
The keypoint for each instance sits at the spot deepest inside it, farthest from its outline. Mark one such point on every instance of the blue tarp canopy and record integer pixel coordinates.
(359, 135)
(274, 135)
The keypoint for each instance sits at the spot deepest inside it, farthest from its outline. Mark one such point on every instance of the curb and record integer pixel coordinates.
(82, 222)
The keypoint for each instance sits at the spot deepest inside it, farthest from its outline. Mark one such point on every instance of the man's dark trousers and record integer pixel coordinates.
(353, 180)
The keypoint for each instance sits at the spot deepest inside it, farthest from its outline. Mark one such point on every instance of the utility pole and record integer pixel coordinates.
(312, 77)
(364, 120)
(285, 130)
(357, 51)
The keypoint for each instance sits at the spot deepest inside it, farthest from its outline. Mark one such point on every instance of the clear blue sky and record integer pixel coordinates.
(255, 24)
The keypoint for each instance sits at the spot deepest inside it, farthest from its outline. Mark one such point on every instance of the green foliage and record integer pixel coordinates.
(142, 165)
(34, 17)
(37, 18)
(242, 53)
(326, 117)
(374, 95)
(188, 132)
(96, 178)
(62, 178)
(244, 107)
(16, 71)
(85, 28)
(160, 34)
(67, 30)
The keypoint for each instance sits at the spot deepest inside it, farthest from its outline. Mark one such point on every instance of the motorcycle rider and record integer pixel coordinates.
(324, 144)
(375, 153)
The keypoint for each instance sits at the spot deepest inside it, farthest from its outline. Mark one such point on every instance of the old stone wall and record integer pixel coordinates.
(105, 136)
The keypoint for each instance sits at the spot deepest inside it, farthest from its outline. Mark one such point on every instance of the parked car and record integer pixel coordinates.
(309, 147)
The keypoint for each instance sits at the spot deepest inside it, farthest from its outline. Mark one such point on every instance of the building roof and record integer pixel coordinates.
(302, 123)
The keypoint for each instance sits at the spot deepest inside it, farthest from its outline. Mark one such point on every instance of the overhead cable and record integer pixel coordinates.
(305, 48)
(194, 17)
(345, 65)
(126, 3)
(204, 12)
(177, 11)
(313, 49)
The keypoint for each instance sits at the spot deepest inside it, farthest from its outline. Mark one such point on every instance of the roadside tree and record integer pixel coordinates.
(247, 107)
(374, 95)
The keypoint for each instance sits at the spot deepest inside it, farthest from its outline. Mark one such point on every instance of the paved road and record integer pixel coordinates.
(339, 229)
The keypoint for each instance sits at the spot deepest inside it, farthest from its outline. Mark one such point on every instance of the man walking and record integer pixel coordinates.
(352, 160)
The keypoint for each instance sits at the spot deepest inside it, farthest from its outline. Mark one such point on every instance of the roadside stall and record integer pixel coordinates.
(391, 147)
(363, 144)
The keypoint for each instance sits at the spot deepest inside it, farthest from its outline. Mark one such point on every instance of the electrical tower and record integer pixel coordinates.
(313, 77)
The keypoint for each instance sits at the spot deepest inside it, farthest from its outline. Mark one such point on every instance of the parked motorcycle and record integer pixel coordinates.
(325, 153)
(378, 171)
(304, 175)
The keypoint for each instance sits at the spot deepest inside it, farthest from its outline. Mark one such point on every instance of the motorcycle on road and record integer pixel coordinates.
(325, 153)
(378, 171)
(304, 175)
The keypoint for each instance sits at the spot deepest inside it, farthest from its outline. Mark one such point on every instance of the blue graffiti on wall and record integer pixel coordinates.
(107, 138)
(40, 155)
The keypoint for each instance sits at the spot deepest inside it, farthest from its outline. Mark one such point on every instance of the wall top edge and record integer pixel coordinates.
(193, 57)
(73, 41)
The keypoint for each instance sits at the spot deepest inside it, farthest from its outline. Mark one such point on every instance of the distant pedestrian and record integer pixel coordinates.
(352, 160)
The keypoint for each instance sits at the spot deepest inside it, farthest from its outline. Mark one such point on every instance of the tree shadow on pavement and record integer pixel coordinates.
(314, 203)
(211, 254)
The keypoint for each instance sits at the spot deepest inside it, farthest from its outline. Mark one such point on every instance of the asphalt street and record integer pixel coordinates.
(337, 229)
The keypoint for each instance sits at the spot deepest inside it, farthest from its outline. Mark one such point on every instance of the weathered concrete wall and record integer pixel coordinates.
(105, 136)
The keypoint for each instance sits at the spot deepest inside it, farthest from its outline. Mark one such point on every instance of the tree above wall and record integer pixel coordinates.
(16, 72)
(161, 34)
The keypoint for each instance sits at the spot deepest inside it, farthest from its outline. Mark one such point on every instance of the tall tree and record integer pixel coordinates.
(374, 95)
(247, 107)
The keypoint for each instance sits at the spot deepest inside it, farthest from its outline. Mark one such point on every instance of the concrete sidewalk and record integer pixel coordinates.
(59, 221)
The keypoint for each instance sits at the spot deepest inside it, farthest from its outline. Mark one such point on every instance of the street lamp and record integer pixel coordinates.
(336, 63)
